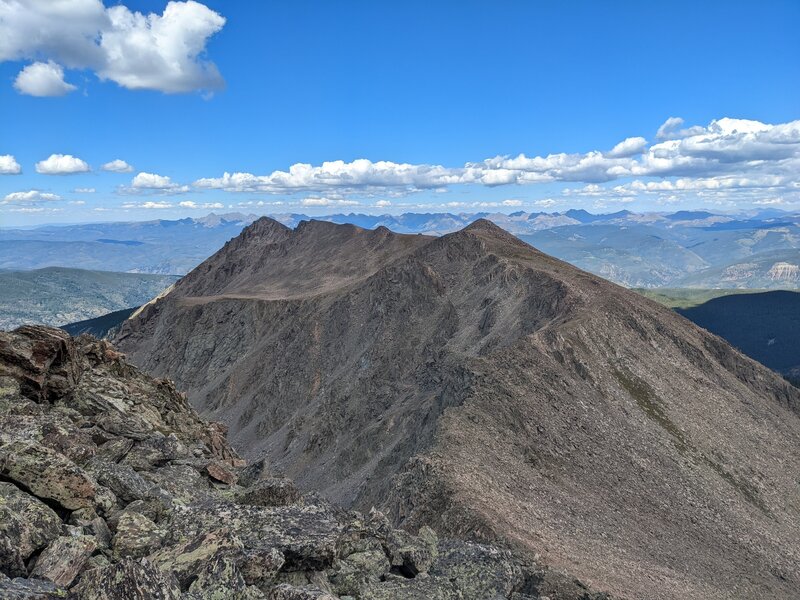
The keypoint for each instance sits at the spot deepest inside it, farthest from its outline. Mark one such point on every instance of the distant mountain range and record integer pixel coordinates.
(55, 295)
(681, 249)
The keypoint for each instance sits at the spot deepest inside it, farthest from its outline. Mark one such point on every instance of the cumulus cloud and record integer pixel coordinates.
(43, 80)
(152, 182)
(726, 156)
(205, 205)
(117, 166)
(628, 147)
(147, 205)
(313, 201)
(30, 197)
(671, 129)
(137, 51)
(361, 174)
(9, 165)
(84, 190)
(61, 164)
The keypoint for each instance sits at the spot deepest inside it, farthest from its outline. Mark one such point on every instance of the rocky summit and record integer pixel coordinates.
(112, 487)
(474, 385)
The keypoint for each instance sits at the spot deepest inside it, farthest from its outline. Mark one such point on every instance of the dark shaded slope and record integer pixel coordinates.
(765, 326)
(99, 327)
(513, 397)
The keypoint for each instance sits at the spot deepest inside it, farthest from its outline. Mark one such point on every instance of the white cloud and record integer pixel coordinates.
(9, 165)
(205, 205)
(512, 202)
(327, 202)
(147, 205)
(383, 203)
(117, 166)
(84, 190)
(43, 80)
(77, 202)
(153, 182)
(628, 147)
(671, 129)
(61, 164)
(137, 51)
(545, 203)
(360, 174)
(30, 197)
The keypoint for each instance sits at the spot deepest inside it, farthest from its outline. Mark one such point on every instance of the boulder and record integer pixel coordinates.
(220, 473)
(255, 471)
(121, 479)
(271, 491)
(220, 579)
(49, 475)
(129, 579)
(136, 536)
(286, 591)
(185, 560)
(29, 589)
(26, 525)
(64, 559)
(307, 536)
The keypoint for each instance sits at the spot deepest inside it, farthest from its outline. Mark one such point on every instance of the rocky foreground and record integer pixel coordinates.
(111, 486)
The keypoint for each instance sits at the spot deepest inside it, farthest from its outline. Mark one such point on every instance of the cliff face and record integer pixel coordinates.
(476, 385)
(112, 487)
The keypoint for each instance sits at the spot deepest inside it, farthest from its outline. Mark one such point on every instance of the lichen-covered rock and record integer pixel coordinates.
(286, 591)
(185, 560)
(129, 579)
(272, 491)
(260, 565)
(26, 525)
(136, 536)
(30, 589)
(48, 474)
(220, 579)
(63, 559)
(126, 483)
(477, 570)
(306, 535)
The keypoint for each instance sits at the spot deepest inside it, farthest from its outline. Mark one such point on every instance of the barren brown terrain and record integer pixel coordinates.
(476, 385)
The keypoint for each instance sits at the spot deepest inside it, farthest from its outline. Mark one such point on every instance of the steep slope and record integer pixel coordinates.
(765, 326)
(111, 486)
(474, 384)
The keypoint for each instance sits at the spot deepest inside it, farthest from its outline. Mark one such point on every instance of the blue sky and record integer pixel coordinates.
(439, 91)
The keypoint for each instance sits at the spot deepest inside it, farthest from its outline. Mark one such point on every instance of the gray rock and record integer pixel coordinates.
(128, 579)
(64, 559)
(136, 536)
(26, 525)
(271, 491)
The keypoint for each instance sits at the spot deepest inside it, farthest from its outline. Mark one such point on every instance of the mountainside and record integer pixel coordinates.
(111, 486)
(56, 295)
(765, 326)
(476, 385)
(100, 327)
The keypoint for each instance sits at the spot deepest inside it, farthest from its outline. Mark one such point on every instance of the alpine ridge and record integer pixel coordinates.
(475, 385)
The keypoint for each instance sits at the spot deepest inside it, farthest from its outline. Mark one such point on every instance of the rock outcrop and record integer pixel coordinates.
(472, 384)
(112, 487)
